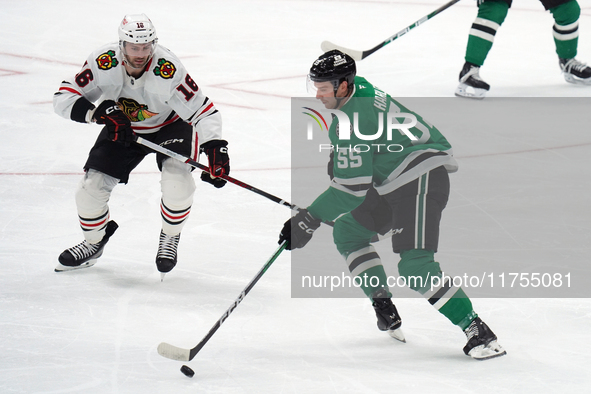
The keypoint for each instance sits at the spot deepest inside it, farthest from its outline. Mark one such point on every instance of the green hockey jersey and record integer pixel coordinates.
(378, 150)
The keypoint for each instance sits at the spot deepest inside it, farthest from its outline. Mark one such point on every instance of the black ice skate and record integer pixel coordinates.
(167, 249)
(471, 85)
(84, 254)
(388, 317)
(575, 72)
(482, 342)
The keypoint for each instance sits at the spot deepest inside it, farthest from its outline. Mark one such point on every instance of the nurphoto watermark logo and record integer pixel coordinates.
(386, 122)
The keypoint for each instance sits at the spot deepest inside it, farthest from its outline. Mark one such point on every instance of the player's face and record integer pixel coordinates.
(325, 93)
(138, 54)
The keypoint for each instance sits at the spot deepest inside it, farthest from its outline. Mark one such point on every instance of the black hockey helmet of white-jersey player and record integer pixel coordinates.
(137, 39)
(334, 67)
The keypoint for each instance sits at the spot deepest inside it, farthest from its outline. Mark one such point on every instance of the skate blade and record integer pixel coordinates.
(466, 91)
(492, 350)
(63, 268)
(576, 81)
(397, 334)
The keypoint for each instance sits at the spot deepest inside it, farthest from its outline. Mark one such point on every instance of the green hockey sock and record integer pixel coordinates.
(491, 15)
(566, 29)
(458, 309)
(424, 275)
(367, 270)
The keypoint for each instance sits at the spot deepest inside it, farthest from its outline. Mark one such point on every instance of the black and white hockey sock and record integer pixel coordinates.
(173, 220)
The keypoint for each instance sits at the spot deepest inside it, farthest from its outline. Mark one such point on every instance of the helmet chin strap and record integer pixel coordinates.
(339, 100)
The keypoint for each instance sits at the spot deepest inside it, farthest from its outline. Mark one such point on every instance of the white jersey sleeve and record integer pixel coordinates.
(86, 86)
(190, 103)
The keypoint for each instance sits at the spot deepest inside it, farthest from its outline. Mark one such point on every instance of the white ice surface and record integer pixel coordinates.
(96, 330)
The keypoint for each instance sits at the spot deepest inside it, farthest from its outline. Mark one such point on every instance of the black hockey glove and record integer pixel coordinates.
(219, 162)
(118, 125)
(303, 225)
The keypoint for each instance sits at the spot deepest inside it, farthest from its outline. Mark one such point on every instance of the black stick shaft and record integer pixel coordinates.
(191, 162)
(360, 55)
(200, 166)
(234, 305)
(408, 28)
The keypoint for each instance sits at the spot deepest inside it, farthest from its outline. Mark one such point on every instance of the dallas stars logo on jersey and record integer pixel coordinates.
(165, 69)
(135, 111)
(107, 60)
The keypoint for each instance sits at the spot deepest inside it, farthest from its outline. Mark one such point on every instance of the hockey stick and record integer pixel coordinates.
(193, 163)
(200, 166)
(360, 55)
(176, 353)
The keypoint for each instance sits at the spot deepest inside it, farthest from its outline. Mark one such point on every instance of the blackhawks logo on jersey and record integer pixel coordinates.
(135, 111)
(107, 60)
(165, 69)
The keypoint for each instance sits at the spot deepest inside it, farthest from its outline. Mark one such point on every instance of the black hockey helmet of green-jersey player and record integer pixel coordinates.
(334, 67)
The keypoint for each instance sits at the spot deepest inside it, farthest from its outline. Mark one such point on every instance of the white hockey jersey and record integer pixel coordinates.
(164, 93)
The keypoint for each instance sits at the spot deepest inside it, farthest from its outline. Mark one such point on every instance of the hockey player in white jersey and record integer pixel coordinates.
(134, 87)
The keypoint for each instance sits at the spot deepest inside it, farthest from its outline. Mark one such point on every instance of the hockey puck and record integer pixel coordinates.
(187, 371)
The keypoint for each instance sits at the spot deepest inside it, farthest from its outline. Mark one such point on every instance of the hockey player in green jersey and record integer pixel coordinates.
(396, 183)
(491, 14)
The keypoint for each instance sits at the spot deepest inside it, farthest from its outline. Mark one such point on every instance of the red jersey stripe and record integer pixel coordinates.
(70, 90)
(206, 109)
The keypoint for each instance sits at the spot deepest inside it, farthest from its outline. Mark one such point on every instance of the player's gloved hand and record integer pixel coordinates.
(118, 124)
(304, 226)
(219, 162)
